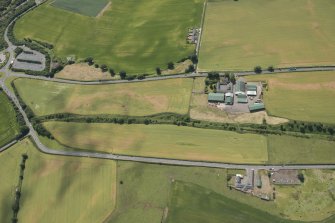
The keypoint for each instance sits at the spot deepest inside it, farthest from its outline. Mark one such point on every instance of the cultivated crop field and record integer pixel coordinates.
(55, 188)
(132, 35)
(133, 99)
(8, 124)
(300, 96)
(282, 33)
(84, 7)
(167, 141)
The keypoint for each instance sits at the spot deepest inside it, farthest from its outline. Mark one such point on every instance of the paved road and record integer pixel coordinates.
(45, 149)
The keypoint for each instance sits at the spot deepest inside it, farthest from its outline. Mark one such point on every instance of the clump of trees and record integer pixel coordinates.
(301, 177)
(271, 69)
(123, 74)
(158, 71)
(170, 65)
(258, 69)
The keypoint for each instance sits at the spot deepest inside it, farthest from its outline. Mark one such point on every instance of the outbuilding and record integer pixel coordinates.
(229, 98)
(216, 98)
(240, 87)
(256, 107)
(251, 90)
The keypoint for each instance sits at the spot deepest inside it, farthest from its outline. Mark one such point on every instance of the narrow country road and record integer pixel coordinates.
(45, 149)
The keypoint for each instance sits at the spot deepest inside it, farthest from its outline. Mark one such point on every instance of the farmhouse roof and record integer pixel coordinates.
(218, 97)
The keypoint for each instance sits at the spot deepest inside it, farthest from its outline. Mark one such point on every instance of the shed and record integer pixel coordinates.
(216, 97)
(256, 107)
(241, 98)
(240, 87)
(229, 98)
(251, 90)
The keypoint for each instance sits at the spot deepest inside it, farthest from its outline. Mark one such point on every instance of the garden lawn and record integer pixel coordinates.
(239, 35)
(166, 141)
(132, 35)
(133, 99)
(56, 188)
(294, 150)
(9, 127)
(305, 96)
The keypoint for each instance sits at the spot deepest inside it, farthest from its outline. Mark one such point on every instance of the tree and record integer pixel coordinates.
(123, 74)
(194, 58)
(258, 69)
(112, 72)
(190, 69)
(141, 76)
(103, 67)
(89, 60)
(232, 78)
(158, 71)
(301, 177)
(271, 69)
(170, 66)
(96, 65)
(213, 76)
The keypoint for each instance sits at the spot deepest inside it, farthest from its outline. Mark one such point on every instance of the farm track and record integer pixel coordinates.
(45, 149)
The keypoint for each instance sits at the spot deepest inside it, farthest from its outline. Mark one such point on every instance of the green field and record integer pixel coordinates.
(144, 194)
(300, 96)
(168, 141)
(84, 7)
(192, 203)
(290, 150)
(9, 127)
(239, 35)
(132, 35)
(133, 99)
(55, 188)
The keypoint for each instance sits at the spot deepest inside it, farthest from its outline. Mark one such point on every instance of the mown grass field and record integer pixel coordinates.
(133, 99)
(300, 96)
(84, 7)
(291, 150)
(315, 195)
(167, 141)
(9, 127)
(192, 203)
(282, 33)
(55, 188)
(132, 35)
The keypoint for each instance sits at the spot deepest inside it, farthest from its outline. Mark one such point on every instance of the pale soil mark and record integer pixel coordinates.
(104, 9)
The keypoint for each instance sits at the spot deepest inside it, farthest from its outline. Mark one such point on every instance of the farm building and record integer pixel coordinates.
(256, 107)
(251, 90)
(229, 98)
(242, 98)
(224, 86)
(216, 97)
(240, 87)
